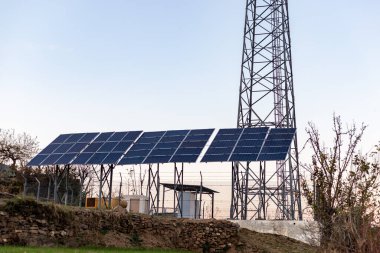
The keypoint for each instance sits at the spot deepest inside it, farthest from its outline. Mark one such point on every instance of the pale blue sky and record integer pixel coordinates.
(81, 66)
(118, 65)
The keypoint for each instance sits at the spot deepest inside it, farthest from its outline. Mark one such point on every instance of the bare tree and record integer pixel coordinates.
(85, 174)
(16, 149)
(343, 189)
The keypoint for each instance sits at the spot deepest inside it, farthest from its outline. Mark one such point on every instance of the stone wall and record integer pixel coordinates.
(33, 224)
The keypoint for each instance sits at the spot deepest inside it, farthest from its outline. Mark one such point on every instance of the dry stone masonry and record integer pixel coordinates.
(29, 223)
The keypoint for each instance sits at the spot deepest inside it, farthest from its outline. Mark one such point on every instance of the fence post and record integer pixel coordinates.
(25, 185)
(38, 189)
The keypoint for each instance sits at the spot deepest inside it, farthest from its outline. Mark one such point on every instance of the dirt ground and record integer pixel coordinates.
(269, 243)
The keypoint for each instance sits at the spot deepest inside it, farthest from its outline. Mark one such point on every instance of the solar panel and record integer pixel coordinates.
(142, 148)
(222, 145)
(166, 147)
(63, 149)
(249, 144)
(277, 144)
(192, 146)
(107, 148)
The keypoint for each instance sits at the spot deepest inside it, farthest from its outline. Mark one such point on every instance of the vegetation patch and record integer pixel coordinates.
(82, 250)
(27, 207)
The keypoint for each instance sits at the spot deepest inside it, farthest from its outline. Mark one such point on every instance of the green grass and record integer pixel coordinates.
(10, 249)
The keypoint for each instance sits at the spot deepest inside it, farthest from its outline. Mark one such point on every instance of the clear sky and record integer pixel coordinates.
(90, 65)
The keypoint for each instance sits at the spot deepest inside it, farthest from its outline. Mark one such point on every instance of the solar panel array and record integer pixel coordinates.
(250, 144)
(142, 148)
(277, 144)
(222, 145)
(107, 148)
(169, 146)
(136, 147)
(192, 146)
(63, 149)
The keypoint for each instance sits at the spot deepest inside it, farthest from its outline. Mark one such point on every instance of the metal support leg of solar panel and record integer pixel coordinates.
(105, 177)
(178, 190)
(267, 99)
(153, 189)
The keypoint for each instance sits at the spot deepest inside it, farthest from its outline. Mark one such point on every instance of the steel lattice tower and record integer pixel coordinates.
(266, 98)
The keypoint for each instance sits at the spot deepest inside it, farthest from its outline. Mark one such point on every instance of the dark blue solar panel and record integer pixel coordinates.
(77, 147)
(66, 158)
(131, 136)
(219, 150)
(178, 138)
(267, 149)
(118, 136)
(37, 160)
(97, 158)
(166, 146)
(178, 158)
(62, 138)
(215, 158)
(153, 134)
(244, 157)
(82, 158)
(51, 159)
(206, 132)
(189, 151)
(158, 152)
(249, 145)
(172, 145)
(176, 133)
(277, 144)
(107, 146)
(122, 146)
(103, 137)
(88, 137)
(50, 148)
(158, 159)
(192, 146)
(272, 157)
(132, 160)
(236, 131)
(63, 148)
(93, 147)
(112, 158)
(74, 138)
(141, 149)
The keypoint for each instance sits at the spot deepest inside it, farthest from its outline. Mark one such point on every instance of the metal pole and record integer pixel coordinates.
(66, 189)
(110, 189)
(182, 192)
(38, 189)
(196, 205)
(200, 197)
(25, 185)
(149, 186)
(121, 185)
(56, 183)
(212, 206)
(163, 199)
(100, 186)
(49, 185)
(158, 187)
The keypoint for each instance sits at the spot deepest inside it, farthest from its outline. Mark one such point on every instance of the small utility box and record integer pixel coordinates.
(189, 204)
(137, 204)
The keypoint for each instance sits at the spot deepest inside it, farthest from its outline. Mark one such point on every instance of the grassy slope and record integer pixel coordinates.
(83, 250)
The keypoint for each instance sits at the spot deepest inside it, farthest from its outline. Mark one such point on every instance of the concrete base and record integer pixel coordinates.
(304, 231)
